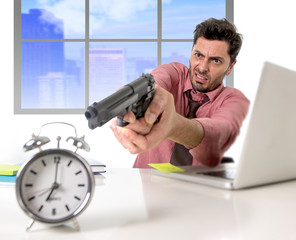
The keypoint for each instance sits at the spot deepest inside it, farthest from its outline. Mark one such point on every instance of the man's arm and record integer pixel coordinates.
(221, 128)
(187, 132)
(161, 121)
(207, 138)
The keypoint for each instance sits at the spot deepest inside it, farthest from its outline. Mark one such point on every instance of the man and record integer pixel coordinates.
(215, 124)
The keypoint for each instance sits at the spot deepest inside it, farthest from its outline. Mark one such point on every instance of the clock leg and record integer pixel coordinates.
(76, 224)
(30, 225)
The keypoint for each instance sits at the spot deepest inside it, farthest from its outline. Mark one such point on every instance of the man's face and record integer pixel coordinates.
(209, 63)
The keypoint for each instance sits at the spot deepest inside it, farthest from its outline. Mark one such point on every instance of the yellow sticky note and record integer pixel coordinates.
(166, 167)
(8, 169)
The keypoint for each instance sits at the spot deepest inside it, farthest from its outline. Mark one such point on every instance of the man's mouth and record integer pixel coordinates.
(200, 78)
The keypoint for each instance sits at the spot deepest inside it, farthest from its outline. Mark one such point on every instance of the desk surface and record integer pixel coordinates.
(135, 204)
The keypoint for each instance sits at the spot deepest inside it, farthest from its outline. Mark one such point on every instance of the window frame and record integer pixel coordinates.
(229, 14)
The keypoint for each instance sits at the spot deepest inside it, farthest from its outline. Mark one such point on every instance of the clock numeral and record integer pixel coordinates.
(29, 185)
(81, 185)
(31, 198)
(78, 172)
(39, 210)
(43, 162)
(77, 198)
(69, 163)
(53, 211)
(57, 159)
(67, 207)
(32, 171)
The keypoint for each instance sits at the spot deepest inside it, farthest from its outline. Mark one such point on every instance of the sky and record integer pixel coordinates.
(129, 18)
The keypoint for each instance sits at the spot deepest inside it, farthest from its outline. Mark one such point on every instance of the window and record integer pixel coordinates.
(71, 53)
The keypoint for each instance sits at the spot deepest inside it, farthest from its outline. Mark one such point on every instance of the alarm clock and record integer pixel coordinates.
(56, 184)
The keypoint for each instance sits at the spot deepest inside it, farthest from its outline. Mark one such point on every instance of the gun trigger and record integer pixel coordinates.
(120, 122)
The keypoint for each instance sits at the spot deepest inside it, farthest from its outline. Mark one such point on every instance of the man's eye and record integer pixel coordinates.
(217, 61)
(198, 55)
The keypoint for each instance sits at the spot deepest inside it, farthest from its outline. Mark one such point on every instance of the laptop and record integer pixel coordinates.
(269, 149)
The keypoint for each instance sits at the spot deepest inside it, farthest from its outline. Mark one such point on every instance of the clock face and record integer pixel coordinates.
(54, 186)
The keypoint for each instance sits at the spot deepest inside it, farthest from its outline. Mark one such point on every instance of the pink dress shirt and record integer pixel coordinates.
(221, 117)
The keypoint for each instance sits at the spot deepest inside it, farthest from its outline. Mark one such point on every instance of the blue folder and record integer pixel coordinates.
(7, 179)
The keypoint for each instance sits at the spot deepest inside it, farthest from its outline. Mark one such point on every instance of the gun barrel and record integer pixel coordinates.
(101, 112)
(120, 102)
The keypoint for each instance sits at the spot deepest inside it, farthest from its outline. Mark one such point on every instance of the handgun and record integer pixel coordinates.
(135, 96)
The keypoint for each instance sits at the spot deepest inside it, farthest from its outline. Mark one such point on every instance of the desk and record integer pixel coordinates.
(136, 204)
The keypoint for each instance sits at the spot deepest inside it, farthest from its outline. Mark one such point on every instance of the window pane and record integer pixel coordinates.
(53, 19)
(112, 65)
(123, 19)
(181, 17)
(53, 75)
(176, 52)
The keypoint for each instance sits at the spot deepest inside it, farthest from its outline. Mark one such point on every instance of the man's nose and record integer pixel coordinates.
(203, 66)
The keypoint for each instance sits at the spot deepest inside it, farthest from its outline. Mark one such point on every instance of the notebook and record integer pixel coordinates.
(269, 149)
(8, 172)
(96, 166)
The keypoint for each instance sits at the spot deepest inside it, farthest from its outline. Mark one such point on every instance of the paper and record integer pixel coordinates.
(8, 169)
(166, 167)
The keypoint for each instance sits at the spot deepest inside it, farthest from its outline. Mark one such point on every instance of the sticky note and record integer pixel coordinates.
(166, 167)
(8, 169)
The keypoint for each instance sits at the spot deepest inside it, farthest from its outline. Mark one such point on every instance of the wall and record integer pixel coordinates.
(268, 29)
(269, 35)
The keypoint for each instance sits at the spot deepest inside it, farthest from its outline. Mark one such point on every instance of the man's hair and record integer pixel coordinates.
(223, 30)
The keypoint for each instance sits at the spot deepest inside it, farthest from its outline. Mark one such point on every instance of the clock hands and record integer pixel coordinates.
(55, 185)
(57, 161)
(41, 192)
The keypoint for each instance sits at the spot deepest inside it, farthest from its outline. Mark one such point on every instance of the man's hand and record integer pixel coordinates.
(161, 121)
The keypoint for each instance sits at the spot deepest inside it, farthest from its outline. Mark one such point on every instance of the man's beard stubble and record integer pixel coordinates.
(199, 87)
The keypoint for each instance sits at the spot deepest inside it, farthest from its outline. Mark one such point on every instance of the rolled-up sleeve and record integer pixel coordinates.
(221, 127)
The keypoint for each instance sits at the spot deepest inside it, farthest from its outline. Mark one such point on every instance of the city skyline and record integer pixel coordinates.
(51, 80)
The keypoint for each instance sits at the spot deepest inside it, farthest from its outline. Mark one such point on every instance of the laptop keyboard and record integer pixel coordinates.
(228, 174)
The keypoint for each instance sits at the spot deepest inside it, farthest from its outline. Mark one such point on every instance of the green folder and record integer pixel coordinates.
(8, 169)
